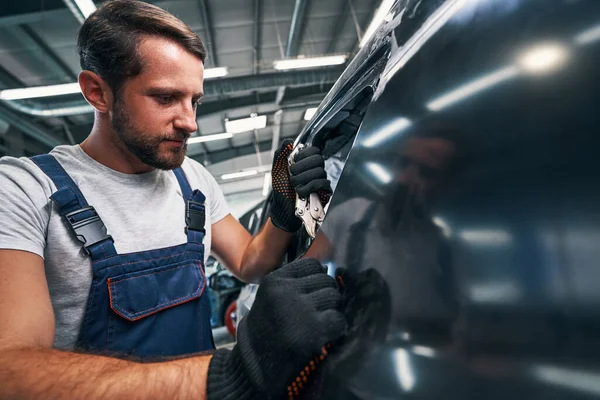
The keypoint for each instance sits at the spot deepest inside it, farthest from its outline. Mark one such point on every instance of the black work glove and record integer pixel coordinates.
(307, 176)
(296, 312)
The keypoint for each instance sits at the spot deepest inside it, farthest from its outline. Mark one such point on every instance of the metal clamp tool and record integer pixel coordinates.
(310, 210)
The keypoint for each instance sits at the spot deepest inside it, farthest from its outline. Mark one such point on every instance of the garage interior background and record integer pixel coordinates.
(252, 101)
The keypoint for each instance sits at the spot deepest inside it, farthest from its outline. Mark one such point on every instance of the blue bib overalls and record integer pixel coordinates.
(146, 304)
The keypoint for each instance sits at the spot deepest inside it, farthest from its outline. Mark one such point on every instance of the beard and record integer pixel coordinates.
(147, 147)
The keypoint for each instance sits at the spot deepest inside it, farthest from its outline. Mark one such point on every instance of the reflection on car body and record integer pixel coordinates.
(462, 143)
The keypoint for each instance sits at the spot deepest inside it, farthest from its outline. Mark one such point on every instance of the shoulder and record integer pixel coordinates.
(23, 174)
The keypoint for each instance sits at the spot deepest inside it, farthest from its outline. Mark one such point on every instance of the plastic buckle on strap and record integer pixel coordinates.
(90, 230)
(194, 219)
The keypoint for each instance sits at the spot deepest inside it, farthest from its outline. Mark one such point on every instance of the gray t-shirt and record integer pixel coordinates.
(141, 212)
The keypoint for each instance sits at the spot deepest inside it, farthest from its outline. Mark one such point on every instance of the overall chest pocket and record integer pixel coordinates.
(156, 312)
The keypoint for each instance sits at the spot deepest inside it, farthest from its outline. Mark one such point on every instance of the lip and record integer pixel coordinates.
(175, 142)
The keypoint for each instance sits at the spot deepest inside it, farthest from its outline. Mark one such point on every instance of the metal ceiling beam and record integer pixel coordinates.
(32, 17)
(209, 33)
(59, 64)
(292, 94)
(294, 37)
(339, 26)
(29, 128)
(271, 81)
(256, 39)
(8, 80)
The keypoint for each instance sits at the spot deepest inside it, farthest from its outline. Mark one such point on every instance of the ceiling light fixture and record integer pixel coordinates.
(219, 72)
(246, 124)
(266, 184)
(86, 7)
(309, 62)
(40, 91)
(209, 138)
(380, 16)
(236, 175)
(310, 113)
(73, 88)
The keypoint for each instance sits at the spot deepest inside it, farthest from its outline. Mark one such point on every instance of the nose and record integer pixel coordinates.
(186, 120)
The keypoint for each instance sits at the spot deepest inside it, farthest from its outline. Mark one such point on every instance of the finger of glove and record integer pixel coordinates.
(286, 148)
(299, 269)
(314, 186)
(307, 152)
(326, 299)
(312, 162)
(315, 283)
(307, 176)
(334, 325)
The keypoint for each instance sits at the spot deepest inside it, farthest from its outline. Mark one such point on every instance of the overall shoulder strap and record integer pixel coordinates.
(195, 214)
(82, 219)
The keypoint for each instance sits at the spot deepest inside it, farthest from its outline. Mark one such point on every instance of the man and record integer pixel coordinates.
(102, 245)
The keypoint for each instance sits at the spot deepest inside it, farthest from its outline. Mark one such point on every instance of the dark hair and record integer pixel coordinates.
(108, 40)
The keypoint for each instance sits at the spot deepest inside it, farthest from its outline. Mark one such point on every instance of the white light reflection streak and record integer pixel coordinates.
(424, 351)
(404, 370)
(486, 236)
(582, 381)
(471, 88)
(588, 36)
(388, 131)
(379, 172)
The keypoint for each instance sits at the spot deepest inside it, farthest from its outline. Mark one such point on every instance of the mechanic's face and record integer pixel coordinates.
(155, 111)
(424, 164)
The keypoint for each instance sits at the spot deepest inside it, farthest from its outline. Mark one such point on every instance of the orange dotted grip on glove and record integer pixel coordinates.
(302, 380)
(281, 180)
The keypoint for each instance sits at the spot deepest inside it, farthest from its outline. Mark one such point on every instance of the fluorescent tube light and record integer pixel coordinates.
(86, 7)
(388, 131)
(310, 113)
(588, 36)
(246, 124)
(211, 73)
(379, 17)
(236, 175)
(543, 58)
(471, 88)
(40, 91)
(266, 184)
(311, 62)
(73, 88)
(209, 138)
(379, 172)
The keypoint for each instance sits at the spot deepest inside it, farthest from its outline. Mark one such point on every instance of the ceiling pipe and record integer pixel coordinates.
(296, 28)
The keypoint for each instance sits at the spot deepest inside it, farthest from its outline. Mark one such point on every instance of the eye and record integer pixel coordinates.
(164, 99)
(196, 103)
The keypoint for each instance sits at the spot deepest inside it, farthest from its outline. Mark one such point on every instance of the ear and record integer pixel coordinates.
(96, 91)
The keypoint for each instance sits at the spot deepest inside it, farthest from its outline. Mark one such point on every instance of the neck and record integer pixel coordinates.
(104, 146)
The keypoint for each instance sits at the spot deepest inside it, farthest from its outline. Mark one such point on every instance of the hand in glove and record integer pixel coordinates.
(296, 312)
(307, 176)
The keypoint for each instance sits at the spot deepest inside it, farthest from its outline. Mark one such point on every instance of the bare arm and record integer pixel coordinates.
(31, 369)
(247, 257)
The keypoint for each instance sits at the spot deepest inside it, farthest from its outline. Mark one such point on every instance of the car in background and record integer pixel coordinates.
(223, 290)
(462, 145)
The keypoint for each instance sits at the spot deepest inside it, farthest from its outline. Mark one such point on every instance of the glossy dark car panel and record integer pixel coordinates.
(468, 211)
